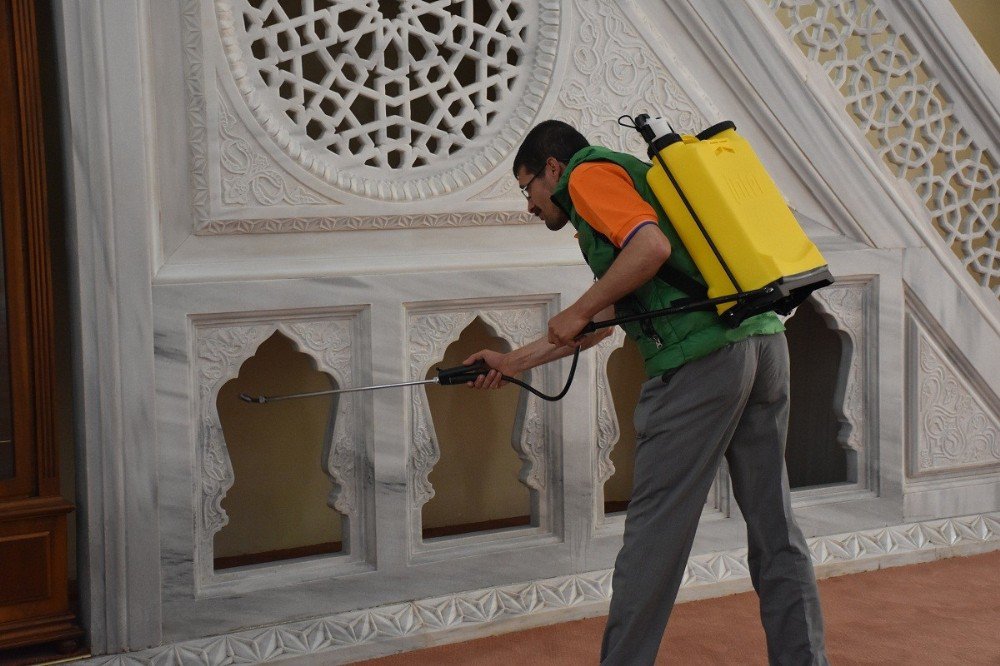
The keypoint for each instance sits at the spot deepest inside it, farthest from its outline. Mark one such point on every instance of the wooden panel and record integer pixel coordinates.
(27, 564)
(33, 552)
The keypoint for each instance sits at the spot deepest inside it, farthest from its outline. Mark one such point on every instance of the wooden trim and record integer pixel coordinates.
(12, 201)
(26, 261)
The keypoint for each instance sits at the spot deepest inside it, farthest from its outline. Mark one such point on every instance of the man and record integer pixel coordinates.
(713, 392)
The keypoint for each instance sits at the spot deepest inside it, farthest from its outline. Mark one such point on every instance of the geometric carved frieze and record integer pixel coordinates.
(327, 638)
(222, 346)
(430, 332)
(954, 418)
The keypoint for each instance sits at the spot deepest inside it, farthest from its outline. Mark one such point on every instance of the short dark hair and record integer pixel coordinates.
(549, 138)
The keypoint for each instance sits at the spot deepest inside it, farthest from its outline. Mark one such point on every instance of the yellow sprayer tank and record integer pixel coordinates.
(732, 219)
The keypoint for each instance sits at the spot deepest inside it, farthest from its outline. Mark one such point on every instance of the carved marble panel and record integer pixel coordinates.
(331, 117)
(951, 412)
(222, 345)
(615, 71)
(607, 430)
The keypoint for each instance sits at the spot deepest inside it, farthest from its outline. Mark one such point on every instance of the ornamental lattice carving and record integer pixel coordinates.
(909, 119)
(430, 335)
(222, 349)
(614, 71)
(396, 99)
(955, 430)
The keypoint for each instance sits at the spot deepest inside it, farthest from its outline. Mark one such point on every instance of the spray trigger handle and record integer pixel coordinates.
(462, 373)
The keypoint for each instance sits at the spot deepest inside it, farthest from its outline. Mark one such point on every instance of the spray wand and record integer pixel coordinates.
(468, 373)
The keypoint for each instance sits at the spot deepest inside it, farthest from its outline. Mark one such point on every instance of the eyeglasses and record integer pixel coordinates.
(524, 188)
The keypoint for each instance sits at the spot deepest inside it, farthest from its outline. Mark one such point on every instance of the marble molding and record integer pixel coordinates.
(377, 631)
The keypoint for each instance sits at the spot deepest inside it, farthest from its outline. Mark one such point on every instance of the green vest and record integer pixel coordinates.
(665, 342)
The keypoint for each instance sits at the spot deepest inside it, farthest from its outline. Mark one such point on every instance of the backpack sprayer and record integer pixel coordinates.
(734, 223)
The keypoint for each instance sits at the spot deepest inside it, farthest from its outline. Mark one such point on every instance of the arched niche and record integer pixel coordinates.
(222, 345)
(620, 375)
(277, 506)
(814, 455)
(432, 328)
(476, 478)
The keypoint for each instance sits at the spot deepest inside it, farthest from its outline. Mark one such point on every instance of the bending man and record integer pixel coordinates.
(713, 391)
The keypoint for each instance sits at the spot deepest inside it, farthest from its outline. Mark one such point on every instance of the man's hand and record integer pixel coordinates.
(566, 326)
(493, 379)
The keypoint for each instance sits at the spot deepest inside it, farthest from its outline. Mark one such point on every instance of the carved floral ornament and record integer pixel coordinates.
(955, 430)
(391, 99)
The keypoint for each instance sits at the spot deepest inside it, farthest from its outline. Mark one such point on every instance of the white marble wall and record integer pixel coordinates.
(204, 223)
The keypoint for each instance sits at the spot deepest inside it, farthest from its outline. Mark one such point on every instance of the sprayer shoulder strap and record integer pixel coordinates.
(681, 280)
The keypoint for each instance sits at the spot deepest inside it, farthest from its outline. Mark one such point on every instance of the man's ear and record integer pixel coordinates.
(555, 165)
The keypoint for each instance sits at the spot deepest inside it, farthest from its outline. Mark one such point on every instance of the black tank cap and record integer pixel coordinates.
(717, 128)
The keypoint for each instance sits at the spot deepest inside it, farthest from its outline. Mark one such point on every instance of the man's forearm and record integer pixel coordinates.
(540, 352)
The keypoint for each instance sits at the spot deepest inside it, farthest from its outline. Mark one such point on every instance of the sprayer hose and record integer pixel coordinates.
(550, 398)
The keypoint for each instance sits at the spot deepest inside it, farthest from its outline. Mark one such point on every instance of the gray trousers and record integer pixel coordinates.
(733, 402)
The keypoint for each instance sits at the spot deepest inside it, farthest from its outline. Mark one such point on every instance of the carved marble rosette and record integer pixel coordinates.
(333, 116)
(430, 330)
(222, 347)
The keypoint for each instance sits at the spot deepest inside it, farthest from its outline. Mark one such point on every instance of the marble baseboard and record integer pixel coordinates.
(367, 633)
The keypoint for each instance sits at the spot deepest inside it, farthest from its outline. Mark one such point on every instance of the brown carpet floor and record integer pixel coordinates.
(938, 613)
